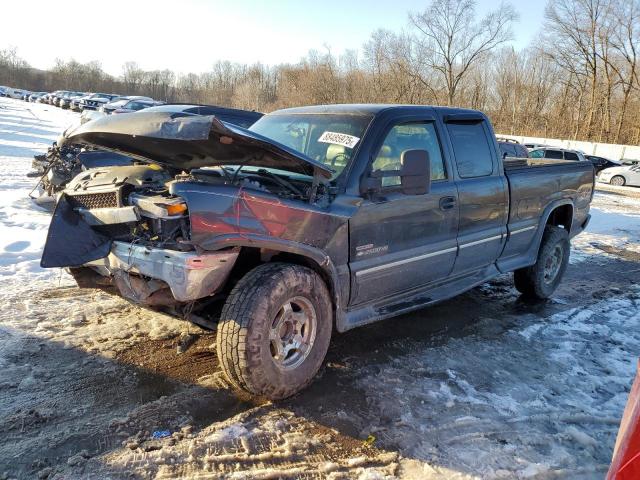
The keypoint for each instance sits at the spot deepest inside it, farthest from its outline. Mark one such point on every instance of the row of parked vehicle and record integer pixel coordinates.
(80, 101)
(619, 173)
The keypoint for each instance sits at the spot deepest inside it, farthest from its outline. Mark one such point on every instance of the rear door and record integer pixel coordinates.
(482, 192)
(401, 242)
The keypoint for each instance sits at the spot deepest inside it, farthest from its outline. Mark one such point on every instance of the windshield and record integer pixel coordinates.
(327, 138)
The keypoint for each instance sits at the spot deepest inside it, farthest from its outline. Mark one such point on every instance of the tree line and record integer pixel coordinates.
(579, 79)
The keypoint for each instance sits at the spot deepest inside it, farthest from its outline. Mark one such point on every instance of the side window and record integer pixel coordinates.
(409, 136)
(571, 156)
(471, 147)
(536, 153)
(554, 154)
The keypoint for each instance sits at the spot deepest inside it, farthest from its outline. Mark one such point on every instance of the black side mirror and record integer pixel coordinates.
(415, 174)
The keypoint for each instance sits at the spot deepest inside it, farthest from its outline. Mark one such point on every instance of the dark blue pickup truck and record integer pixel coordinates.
(312, 219)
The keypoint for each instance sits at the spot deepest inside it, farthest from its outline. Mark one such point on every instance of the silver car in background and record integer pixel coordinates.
(554, 153)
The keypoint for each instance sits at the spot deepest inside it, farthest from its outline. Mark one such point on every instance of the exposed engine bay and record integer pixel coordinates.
(135, 204)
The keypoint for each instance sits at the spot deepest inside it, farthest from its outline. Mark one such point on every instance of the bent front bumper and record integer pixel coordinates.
(190, 276)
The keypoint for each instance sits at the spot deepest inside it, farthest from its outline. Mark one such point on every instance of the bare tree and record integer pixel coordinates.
(574, 28)
(625, 42)
(452, 41)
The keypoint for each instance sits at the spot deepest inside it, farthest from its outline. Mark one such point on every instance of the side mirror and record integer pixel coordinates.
(415, 174)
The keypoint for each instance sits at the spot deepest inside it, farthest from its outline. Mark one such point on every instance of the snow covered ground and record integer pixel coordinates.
(483, 386)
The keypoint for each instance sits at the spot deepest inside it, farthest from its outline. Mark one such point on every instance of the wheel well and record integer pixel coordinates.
(251, 257)
(561, 216)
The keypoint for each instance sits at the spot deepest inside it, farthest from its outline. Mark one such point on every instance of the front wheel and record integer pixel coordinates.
(541, 279)
(274, 330)
(618, 181)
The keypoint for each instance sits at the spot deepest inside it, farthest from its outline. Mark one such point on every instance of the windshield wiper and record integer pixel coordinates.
(280, 181)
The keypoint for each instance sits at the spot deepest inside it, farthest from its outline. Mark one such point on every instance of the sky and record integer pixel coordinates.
(191, 35)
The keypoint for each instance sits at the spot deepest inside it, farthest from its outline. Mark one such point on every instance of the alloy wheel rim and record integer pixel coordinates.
(292, 333)
(552, 265)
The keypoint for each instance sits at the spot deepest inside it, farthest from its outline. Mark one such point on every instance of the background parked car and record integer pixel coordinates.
(623, 175)
(512, 148)
(600, 163)
(95, 101)
(25, 95)
(242, 118)
(136, 105)
(2, 91)
(13, 92)
(557, 154)
(55, 99)
(54, 96)
(110, 107)
(35, 96)
(65, 101)
(75, 102)
(47, 97)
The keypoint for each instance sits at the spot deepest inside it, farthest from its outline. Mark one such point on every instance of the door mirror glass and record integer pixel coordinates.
(415, 172)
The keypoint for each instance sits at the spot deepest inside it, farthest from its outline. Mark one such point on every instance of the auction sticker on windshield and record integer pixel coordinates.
(343, 139)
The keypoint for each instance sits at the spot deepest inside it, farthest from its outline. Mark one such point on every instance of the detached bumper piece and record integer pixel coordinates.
(155, 276)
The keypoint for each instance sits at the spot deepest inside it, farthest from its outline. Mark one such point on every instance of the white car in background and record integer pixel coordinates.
(620, 176)
(13, 92)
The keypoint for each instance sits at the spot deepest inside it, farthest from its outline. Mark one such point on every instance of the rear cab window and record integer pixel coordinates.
(553, 154)
(473, 154)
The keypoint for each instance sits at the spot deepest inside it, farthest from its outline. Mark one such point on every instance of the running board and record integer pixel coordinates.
(416, 300)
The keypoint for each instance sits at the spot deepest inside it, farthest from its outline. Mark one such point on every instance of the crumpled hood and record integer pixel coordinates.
(184, 141)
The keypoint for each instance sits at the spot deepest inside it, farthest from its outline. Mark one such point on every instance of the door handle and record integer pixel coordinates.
(447, 203)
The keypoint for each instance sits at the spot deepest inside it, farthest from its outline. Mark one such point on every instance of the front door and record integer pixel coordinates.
(400, 242)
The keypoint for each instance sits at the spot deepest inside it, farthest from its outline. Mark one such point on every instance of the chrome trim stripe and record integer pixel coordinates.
(523, 230)
(478, 242)
(406, 260)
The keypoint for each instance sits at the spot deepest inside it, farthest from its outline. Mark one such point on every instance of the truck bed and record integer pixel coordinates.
(536, 186)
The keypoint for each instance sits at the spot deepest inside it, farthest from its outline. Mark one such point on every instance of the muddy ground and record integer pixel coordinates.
(486, 385)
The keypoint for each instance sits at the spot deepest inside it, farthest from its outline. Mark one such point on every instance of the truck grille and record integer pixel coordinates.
(95, 200)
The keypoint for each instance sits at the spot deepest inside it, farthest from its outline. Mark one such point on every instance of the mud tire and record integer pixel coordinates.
(243, 342)
(531, 281)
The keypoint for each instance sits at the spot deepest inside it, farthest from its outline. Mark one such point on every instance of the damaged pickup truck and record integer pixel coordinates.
(312, 219)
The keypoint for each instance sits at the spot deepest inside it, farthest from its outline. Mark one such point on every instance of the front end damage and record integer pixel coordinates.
(129, 228)
(160, 277)
(121, 228)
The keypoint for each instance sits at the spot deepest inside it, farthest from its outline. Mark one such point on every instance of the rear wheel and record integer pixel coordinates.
(618, 181)
(542, 278)
(274, 330)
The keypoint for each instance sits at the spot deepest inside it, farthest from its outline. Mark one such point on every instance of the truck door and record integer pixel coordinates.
(400, 242)
(482, 193)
